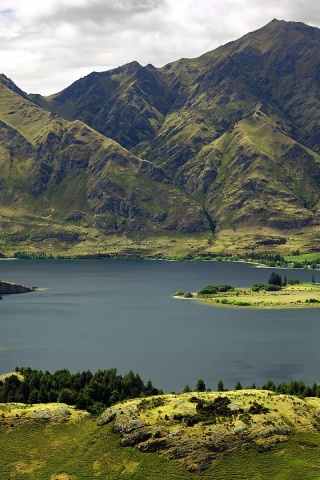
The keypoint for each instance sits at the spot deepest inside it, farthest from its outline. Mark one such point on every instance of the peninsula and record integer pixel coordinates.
(7, 288)
(275, 294)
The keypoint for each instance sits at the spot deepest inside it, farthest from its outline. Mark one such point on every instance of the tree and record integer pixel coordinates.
(238, 386)
(186, 389)
(220, 386)
(269, 386)
(33, 397)
(67, 396)
(200, 386)
(275, 279)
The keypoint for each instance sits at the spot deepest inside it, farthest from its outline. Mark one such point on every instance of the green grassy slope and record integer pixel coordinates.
(62, 183)
(77, 448)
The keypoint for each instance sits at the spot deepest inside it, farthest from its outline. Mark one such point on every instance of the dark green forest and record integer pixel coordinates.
(85, 390)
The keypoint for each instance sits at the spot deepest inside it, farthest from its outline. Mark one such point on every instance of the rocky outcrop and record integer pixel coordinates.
(7, 288)
(197, 429)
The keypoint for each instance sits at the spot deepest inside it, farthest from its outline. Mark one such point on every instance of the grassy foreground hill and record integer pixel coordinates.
(227, 435)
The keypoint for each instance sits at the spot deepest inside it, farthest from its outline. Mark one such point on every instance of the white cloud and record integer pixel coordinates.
(47, 44)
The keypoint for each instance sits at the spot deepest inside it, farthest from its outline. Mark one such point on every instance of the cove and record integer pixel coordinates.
(100, 314)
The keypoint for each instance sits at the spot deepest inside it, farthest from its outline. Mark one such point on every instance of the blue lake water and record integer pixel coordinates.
(101, 314)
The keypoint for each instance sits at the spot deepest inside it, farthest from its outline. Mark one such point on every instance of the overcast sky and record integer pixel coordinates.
(45, 45)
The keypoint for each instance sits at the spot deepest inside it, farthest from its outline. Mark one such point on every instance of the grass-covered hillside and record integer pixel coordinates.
(217, 435)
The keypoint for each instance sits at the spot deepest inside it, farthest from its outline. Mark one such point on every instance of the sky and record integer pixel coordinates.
(45, 45)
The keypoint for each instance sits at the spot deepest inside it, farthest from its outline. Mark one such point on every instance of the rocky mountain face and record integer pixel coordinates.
(227, 140)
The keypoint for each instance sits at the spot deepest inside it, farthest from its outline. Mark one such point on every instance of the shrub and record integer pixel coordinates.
(257, 287)
(257, 408)
(188, 295)
(272, 288)
(212, 289)
(224, 288)
(209, 289)
(194, 400)
(179, 293)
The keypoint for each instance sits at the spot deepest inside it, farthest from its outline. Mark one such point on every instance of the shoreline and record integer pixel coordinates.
(99, 256)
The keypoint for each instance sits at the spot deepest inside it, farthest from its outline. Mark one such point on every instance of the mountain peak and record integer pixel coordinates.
(7, 82)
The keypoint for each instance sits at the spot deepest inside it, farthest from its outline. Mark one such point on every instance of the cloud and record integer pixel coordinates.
(46, 45)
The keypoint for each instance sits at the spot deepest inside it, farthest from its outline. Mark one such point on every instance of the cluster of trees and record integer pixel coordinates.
(212, 289)
(300, 389)
(297, 388)
(265, 258)
(275, 282)
(87, 391)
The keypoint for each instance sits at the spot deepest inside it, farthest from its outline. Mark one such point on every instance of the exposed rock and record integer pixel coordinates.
(61, 412)
(138, 436)
(126, 425)
(42, 415)
(107, 416)
(153, 445)
(9, 288)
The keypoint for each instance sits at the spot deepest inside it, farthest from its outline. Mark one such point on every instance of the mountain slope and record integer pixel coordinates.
(225, 142)
(238, 127)
(63, 180)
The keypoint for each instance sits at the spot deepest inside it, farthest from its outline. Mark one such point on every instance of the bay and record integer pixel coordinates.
(101, 314)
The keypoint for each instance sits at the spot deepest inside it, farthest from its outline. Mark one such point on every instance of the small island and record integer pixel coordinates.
(277, 293)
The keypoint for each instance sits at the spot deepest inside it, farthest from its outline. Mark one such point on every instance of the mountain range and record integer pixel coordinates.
(224, 144)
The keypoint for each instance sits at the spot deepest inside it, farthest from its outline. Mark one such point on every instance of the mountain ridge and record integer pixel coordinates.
(234, 132)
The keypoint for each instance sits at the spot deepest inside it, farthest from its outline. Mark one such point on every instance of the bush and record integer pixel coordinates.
(179, 293)
(188, 295)
(257, 408)
(257, 287)
(209, 289)
(272, 288)
(224, 288)
(212, 289)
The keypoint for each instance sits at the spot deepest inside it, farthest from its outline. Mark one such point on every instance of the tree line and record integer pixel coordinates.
(95, 392)
(297, 388)
(85, 390)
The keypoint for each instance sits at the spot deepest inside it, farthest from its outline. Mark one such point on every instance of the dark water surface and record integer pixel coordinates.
(101, 314)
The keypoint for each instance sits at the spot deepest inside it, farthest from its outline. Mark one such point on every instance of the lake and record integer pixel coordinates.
(101, 314)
